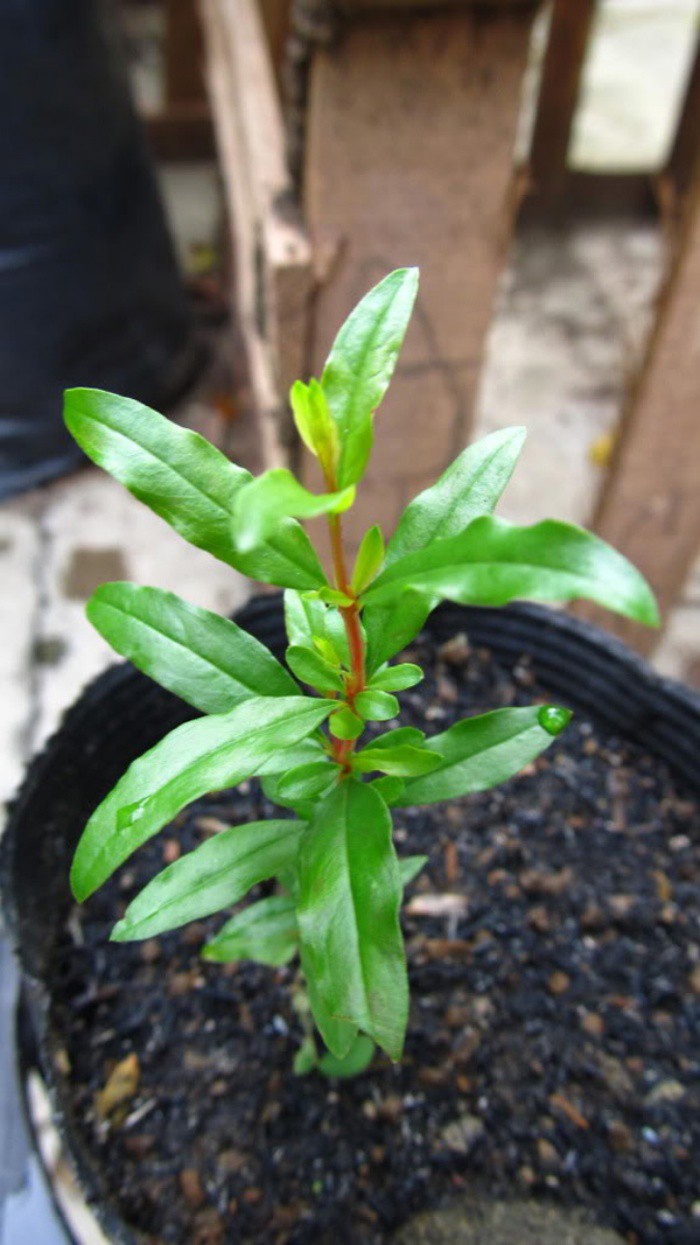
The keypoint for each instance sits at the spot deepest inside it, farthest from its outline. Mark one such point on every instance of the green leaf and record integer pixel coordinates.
(266, 932)
(481, 752)
(308, 619)
(400, 735)
(315, 423)
(345, 724)
(388, 788)
(311, 668)
(397, 678)
(403, 761)
(308, 752)
(376, 706)
(348, 914)
(410, 867)
(304, 782)
(368, 562)
(214, 876)
(306, 1058)
(357, 1060)
(361, 364)
(261, 505)
(186, 481)
(206, 660)
(471, 487)
(199, 757)
(389, 628)
(494, 562)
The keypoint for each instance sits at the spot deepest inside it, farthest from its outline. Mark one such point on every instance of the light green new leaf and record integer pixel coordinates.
(266, 932)
(361, 364)
(314, 422)
(214, 876)
(471, 487)
(348, 913)
(205, 659)
(399, 735)
(199, 757)
(368, 562)
(481, 752)
(397, 678)
(186, 481)
(376, 706)
(261, 506)
(308, 619)
(313, 669)
(494, 562)
(389, 628)
(403, 761)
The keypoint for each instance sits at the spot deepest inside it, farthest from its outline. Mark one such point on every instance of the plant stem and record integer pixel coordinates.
(342, 748)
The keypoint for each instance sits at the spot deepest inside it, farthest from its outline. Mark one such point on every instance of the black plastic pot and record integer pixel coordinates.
(122, 713)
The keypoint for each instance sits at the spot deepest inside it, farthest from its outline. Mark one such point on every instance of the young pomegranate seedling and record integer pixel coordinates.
(300, 726)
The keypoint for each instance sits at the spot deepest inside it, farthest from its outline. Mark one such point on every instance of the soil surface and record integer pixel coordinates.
(552, 1050)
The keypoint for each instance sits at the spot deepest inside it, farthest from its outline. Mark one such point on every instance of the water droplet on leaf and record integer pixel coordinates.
(553, 719)
(129, 814)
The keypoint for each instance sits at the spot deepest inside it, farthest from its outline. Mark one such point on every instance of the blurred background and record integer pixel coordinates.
(196, 195)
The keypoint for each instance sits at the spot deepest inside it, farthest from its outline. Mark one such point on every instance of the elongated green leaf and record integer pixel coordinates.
(202, 756)
(214, 876)
(348, 914)
(494, 562)
(186, 481)
(203, 658)
(389, 628)
(261, 505)
(361, 364)
(410, 867)
(403, 761)
(471, 487)
(481, 752)
(311, 668)
(368, 562)
(266, 932)
(397, 678)
(278, 764)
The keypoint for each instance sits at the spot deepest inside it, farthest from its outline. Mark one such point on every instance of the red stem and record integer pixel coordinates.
(342, 748)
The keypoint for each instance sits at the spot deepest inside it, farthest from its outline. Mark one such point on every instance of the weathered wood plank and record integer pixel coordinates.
(184, 78)
(685, 153)
(410, 138)
(272, 251)
(650, 504)
(558, 96)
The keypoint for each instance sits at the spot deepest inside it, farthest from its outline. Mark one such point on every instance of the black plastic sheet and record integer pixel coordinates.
(90, 292)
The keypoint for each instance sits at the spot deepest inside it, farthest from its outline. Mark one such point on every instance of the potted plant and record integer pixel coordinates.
(303, 818)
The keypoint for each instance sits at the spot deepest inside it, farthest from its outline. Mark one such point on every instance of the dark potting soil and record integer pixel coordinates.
(553, 1042)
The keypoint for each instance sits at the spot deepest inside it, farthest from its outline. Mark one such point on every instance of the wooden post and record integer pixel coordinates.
(182, 130)
(685, 153)
(558, 96)
(650, 504)
(272, 250)
(409, 151)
